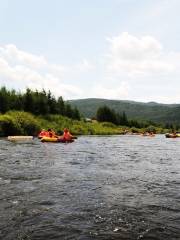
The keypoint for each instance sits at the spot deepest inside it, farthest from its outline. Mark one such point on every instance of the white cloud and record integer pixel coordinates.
(120, 92)
(136, 68)
(151, 72)
(173, 98)
(22, 69)
(132, 55)
(130, 47)
(84, 66)
(59, 89)
(13, 55)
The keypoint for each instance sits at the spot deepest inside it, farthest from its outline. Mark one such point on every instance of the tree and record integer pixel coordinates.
(28, 101)
(4, 100)
(41, 103)
(52, 103)
(16, 101)
(68, 110)
(36, 102)
(105, 114)
(60, 106)
(123, 120)
(76, 114)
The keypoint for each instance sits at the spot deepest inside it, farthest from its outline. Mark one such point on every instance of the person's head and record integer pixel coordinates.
(65, 130)
(49, 130)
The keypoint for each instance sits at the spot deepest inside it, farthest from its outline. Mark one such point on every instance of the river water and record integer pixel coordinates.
(116, 187)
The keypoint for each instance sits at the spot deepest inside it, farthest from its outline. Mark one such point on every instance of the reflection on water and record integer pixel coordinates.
(120, 187)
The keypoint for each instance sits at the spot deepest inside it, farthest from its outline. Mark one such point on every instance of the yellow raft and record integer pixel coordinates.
(56, 140)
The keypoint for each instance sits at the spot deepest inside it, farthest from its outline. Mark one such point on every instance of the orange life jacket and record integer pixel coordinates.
(43, 134)
(51, 133)
(67, 135)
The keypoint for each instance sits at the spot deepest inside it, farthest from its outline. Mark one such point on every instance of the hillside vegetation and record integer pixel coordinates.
(156, 112)
(24, 123)
(27, 113)
(35, 102)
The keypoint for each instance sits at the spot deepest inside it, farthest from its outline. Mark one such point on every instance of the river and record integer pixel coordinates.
(109, 187)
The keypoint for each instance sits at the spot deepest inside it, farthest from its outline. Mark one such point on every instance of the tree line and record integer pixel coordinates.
(36, 102)
(106, 114)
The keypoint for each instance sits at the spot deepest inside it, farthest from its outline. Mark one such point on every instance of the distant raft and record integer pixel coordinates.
(172, 135)
(148, 135)
(56, 140)
(20, 138)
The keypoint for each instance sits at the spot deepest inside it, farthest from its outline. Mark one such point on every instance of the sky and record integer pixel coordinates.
(113, 49)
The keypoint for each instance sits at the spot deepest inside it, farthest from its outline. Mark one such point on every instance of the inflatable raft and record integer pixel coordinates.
(172, 135)
(147, 135)
(56, 140)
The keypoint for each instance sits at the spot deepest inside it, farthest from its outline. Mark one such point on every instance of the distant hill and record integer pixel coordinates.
(157, 112)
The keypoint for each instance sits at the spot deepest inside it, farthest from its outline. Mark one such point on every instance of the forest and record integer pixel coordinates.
(29, 112)
(36, 102)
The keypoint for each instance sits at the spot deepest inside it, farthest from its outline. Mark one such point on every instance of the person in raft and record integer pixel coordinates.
(43, 133)
(67, 135)
(51, 133)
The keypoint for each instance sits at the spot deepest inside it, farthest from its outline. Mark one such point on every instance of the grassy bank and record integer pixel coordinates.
(23, 123)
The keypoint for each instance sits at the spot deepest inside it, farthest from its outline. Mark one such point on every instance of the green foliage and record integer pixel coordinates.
(61, 106)
(122, 119)
(36, 102)
(8, 126)
(158, 113)
(135, 130)
(18, 123)
(29, 101)
(151, 129)
(24, 123)
(108, 124)
(135, 123)
(105, 114)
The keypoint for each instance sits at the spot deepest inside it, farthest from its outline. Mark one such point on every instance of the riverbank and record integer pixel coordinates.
(23, 123)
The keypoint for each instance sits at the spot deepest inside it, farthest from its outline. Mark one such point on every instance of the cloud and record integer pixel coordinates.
(84, 66)
(13, 55)
(23, 69)
(134, 67)
(138, 56)
(120, 92)
(59, 89)
(150, 72)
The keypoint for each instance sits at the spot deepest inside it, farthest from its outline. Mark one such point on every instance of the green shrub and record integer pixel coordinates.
(23, 123)
(135, 130)
(8, 126)
(151, 128)
(108, 124)
(28, 123)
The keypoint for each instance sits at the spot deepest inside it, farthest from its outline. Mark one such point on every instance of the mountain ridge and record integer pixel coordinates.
(157, 112)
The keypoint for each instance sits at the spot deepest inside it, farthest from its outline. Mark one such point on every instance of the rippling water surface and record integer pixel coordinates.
(118, 187)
